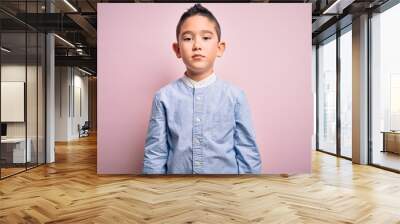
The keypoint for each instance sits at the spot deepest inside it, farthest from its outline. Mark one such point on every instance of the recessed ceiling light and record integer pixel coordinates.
(64, 40)
(338, 6)
(84, 71)
(5, 50)
(70, 5)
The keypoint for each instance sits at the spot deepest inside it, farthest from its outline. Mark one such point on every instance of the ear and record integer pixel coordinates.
(221, 48)
(175, 47)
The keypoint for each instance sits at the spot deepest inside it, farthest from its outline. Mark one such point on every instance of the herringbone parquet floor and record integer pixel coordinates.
(70, 191)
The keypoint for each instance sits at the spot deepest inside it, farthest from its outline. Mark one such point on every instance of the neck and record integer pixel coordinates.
(198, 76)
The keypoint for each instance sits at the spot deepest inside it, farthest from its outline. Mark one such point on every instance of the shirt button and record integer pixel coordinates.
(196, 141)
(198, 119)
(198, 98)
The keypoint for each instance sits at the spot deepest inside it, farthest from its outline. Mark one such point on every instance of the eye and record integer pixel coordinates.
(206, 38)
(187, 39)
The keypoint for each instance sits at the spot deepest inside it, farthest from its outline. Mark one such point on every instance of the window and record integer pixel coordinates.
(327, 96)
(346, 93)
(385, 88)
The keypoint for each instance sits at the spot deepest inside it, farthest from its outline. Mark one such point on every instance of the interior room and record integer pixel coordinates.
(60, 104)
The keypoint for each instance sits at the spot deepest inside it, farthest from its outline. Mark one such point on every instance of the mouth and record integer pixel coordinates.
(197, 57)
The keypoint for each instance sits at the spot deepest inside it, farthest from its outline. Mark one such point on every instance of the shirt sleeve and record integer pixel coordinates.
(156, 146)
(247, 154)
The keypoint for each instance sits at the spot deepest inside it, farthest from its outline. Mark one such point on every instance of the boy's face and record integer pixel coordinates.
(198, 44)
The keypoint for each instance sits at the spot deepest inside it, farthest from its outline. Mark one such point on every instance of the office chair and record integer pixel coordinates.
(84, 130)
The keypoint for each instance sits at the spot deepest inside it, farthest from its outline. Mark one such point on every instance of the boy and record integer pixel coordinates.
(200, 124)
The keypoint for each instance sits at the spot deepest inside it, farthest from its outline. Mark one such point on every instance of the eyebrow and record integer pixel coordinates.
(201, 31)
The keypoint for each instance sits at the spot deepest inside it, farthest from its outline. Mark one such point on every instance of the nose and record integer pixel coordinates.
(196, 44)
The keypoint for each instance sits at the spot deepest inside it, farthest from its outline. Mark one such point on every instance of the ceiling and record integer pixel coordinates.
(76, 22)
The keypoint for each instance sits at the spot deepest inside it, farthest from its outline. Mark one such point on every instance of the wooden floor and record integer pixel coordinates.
(5, 172)
(387, 159)
(70, 191)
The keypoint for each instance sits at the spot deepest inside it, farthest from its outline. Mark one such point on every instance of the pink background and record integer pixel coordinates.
(268, 55)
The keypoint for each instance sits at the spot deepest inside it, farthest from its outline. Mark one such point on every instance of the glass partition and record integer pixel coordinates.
(22, 63)
(327, 95)
(13, 109)
(385, 89)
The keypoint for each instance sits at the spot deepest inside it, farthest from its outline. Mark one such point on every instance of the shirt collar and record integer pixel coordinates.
(199, 84)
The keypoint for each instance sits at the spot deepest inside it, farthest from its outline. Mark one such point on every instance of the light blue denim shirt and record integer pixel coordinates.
(200, 128)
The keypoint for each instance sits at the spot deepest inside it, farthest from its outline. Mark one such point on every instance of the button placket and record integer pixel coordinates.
(197, 132)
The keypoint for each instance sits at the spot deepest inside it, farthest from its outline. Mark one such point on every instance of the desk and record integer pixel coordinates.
(391, 141)
(15, 148)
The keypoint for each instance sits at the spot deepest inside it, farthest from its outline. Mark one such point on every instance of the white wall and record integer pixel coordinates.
(62, 80)
(81, 102)
(71, 93)
(33, 127)
(15, 72)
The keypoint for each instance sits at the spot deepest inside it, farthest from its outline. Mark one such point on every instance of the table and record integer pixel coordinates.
(13, 150)
(391, 141)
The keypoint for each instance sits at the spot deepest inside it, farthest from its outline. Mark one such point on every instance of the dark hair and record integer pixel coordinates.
(198, 9)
